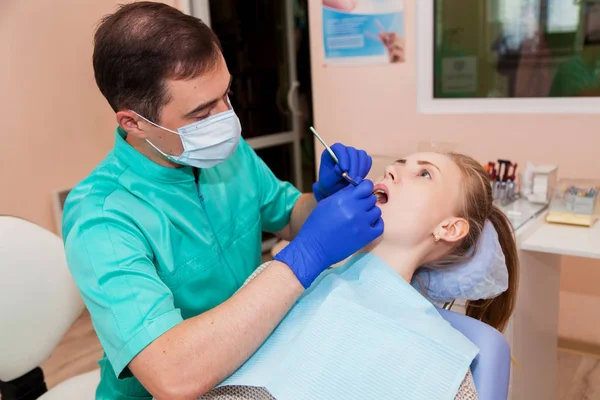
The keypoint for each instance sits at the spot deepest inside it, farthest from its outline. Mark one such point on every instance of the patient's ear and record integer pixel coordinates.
(453, 229)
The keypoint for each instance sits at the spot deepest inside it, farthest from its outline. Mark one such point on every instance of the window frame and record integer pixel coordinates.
(427, 104)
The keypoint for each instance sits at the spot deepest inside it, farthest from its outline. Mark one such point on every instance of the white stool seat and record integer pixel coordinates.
(38, 297)
(81, 387)
(38, 303)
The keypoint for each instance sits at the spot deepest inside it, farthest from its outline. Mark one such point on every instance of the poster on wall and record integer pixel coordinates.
(359, 32)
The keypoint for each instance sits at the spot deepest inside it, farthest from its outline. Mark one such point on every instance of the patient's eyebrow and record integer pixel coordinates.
(419, 162)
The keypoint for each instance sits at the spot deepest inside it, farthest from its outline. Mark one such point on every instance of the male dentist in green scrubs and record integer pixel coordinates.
(163, 233)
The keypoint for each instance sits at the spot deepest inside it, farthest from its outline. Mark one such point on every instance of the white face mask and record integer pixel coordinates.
(206, 143)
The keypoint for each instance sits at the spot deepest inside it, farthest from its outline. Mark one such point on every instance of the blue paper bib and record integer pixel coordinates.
(360, 332)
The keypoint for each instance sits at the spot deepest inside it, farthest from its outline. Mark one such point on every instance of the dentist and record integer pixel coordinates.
(168, 227)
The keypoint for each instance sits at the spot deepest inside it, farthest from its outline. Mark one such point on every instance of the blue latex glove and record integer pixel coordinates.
(339, 226)
(357, 163)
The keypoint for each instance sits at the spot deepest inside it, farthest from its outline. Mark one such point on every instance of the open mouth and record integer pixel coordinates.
(381, 193)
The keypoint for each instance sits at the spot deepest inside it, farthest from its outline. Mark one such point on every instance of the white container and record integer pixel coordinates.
(544, 181)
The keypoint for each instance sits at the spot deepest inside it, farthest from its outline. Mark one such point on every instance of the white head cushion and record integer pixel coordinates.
(38, 298)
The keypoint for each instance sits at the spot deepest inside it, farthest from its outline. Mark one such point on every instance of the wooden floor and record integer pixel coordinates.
(579, 375)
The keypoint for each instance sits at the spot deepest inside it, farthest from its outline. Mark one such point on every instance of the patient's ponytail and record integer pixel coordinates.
(497, 311)
(477, 207)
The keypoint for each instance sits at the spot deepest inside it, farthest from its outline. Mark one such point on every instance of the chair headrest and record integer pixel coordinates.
(483, 276)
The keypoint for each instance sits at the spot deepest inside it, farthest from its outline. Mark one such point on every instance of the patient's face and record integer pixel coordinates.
(422, 190)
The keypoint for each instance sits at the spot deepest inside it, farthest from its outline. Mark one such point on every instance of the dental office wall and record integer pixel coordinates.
(375, 107)
(56, 126)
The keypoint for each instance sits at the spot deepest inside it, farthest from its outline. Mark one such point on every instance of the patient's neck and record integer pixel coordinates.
(405, 261)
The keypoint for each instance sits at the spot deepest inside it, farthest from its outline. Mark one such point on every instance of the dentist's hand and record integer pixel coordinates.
(357, 163)
(338, 227)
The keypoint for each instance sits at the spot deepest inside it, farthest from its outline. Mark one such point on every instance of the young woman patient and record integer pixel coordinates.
(435, 207)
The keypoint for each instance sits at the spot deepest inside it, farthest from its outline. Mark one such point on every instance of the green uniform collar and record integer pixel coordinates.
(146, 168)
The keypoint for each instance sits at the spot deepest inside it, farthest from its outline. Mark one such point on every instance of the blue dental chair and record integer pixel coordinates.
(491, 367)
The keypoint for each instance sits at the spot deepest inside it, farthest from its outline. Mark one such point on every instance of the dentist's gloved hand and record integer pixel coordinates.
(357, 163)
(339, 226)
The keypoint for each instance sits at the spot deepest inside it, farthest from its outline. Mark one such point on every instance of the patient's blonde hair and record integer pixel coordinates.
(476, 207)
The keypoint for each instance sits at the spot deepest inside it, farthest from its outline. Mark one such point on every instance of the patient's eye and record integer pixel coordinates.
(425, 174)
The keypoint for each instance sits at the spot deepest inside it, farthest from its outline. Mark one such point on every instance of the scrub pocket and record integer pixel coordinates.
(206, 260)
(246, 250)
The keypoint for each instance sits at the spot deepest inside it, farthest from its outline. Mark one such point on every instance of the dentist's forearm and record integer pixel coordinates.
(199, 353)
(304, 206)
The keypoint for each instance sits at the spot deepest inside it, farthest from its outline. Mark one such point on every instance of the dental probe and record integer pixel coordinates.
(332, 154)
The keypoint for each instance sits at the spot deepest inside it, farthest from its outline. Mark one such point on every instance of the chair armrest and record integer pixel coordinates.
(491, 367)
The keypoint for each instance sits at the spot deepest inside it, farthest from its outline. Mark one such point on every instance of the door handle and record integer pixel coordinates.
(290, 99)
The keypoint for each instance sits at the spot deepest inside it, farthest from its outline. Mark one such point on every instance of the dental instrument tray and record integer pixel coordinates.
(575, 202)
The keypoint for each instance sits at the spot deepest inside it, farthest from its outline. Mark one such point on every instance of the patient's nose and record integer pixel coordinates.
(392, 173)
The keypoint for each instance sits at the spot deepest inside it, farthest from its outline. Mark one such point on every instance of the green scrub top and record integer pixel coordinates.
(148, 247)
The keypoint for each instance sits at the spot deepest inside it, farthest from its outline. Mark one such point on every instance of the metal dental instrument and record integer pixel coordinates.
(332, 154)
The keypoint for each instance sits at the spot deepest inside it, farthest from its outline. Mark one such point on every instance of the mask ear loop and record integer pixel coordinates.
(155, 124)
(167, 156)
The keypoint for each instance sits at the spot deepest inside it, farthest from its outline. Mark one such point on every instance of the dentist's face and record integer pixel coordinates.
(416, 194)
(190, 100)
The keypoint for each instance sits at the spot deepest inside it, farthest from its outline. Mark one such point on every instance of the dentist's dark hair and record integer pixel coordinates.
(140, 46)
